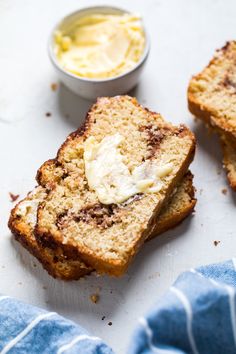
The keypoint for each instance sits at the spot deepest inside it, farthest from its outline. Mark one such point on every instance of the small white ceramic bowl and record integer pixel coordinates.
(93, 88)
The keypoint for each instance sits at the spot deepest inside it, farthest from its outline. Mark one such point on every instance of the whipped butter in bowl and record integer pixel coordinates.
(99, 51)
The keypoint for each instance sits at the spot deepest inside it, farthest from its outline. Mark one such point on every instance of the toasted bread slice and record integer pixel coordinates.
(229, 160)
(212, 93)
(23, 218)
(106, 237)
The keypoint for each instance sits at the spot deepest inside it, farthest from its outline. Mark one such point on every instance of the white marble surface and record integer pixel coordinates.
(183, 34)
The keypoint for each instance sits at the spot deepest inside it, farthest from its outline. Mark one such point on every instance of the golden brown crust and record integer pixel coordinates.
(111, 266)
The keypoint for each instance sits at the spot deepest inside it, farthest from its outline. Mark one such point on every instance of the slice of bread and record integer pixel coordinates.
(181, 204)
(212, 93)
(23, 218)
(106, 237)
(22, 222)
(229, 160)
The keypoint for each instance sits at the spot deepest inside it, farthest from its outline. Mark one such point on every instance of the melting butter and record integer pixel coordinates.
(109, 176)
(100, 45)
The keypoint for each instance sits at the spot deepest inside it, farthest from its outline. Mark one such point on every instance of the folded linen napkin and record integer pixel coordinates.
(197, 315)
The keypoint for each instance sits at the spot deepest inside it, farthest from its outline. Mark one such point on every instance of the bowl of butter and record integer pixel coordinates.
(99, 51)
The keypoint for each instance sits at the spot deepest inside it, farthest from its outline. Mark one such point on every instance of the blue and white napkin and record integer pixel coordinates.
(197, 315)
(26, 329)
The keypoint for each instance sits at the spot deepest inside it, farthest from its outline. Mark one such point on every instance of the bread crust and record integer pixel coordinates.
(114, 267)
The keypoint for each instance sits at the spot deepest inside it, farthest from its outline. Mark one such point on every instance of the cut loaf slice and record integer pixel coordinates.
(229, 160)
(106, 237)
(181, 204)
(212, 93)
(23, 218)
(22, 222)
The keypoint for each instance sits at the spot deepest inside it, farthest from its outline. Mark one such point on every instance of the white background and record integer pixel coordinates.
(183, 35)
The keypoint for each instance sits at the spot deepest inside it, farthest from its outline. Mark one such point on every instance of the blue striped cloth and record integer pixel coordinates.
(27, 329)
(197, 315)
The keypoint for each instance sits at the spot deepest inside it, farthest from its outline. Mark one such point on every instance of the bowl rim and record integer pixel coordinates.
(55, 62)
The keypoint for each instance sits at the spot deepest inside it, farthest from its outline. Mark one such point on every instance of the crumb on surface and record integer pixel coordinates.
(103, 318)
(110, 323)
(48, 114)
(216, 243)
(44, 287)
(54, 86)
(34, 265)
(224, 191)
(13, 197)
(154, 275)
(94, 298)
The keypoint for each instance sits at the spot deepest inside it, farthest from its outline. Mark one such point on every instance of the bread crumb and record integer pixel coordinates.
(109, 323)
(94, 298)
(35, 265)
(154, 275)
(216, 243)
(48, 114)
(54, 86)
(224, 191)
(13, 197)
(44, 287)
(103, 318)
